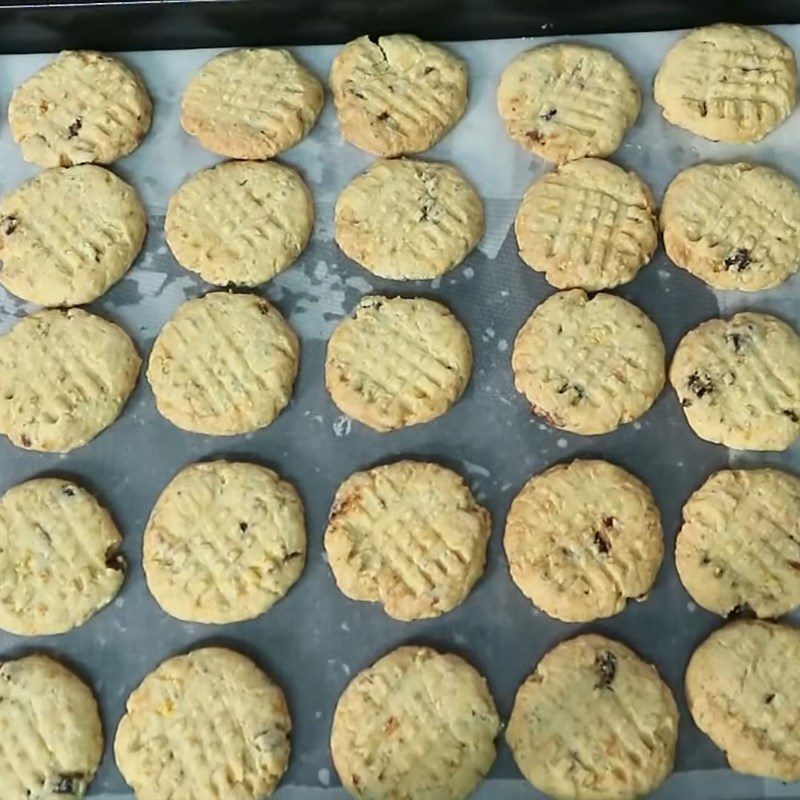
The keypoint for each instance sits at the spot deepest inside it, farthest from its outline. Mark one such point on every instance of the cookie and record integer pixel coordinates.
(408, 220)
(587, 224)
(251, 103)
(416, 724)
(51, 739)
(739, 547)
(727, 83)
(58, 557)
(83, 107)
(397, 362)
(743, 692)
(408, 535)
(209, 724)
(241, 222)
(68, 235)
(738, 381)
(733, 225)
(397, 95)
(567, 101)
(582, 539)
(594, 722)
(66, 377)
(588, 365)
(224, 364)
(250, 523)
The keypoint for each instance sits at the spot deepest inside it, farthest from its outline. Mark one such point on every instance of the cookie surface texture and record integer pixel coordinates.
(408, 535)
(66, 377)
(224, 364)
(582, 539)
(594, 722)
(733, 225)
(408, 220)
(397, 362)
(252, 522)
(728, 83)
(588, 365)
(68, 235)
(738, 381)
(217, 722)
(398, 95)
(416, 724)
(739, 547)
(241, 222)
(58, 557)
(743, 692)
(51, 739)
(251, 103)
(567, 101)
(83, 107)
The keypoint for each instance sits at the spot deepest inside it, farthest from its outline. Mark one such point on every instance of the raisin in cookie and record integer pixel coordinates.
(68, 235)
(734, 226)
(225, 364)
(587, 224)
(251, 103)
(588, 365)
(567, 101)
(582, 539)
(728, 83)
(248, 517)
(397, 362)
(83, 107)
(397, 95)
(66, 377)
(738, 381)
(743, 692)
(408, 535)
(215, 719)
(594, 722)
(51, 739)
(416, 724)
(408, 220)
(739, 547)
(241, 222)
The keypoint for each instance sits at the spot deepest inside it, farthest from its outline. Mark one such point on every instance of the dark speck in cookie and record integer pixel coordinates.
(700, 383)
(737, 341)
(738, 261)
(606, 666)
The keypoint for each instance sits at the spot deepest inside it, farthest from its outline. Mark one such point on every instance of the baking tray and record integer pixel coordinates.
(315, 639)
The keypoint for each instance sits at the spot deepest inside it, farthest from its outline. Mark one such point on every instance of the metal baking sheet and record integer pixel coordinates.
(315, 640)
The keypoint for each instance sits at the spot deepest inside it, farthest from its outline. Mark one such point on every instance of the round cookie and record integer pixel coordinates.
(397, 95)
(582, 539)
(397, 362)
(66, 377)
(408, 220)
(68, 235)
(207, 724)
(416, 724)
(567, 101)
(252, 523)
(58, 557)
(733, 225)
(594, 722)
(588, 365)
(738, 381)
(587, 224)
(743, 692)
(727, 83)
(83, 107)
(241, 222)
(251, 103)
(408, 535)
(51, 738)
(739, 547)
(224, 364)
